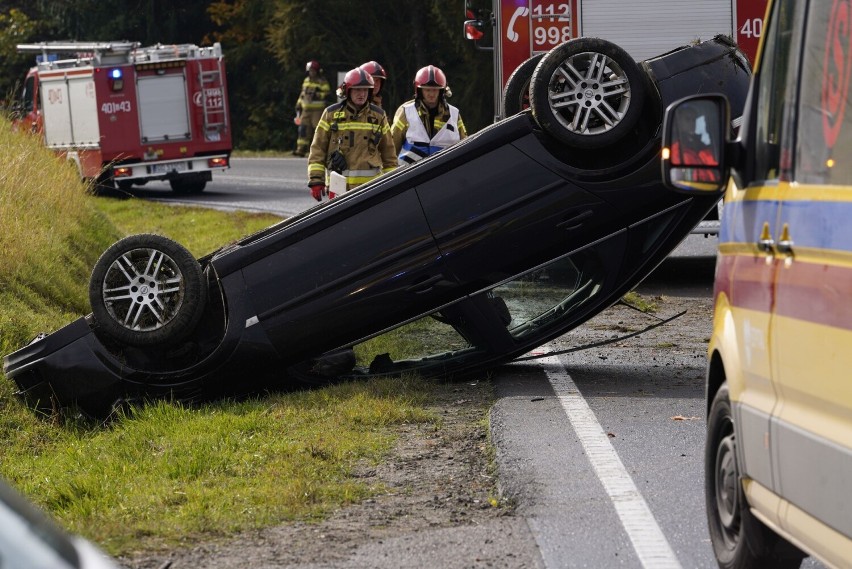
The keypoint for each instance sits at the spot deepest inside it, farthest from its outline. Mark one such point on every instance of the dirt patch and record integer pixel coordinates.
(435, 478)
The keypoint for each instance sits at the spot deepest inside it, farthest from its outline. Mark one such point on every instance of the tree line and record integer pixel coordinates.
(267, 44)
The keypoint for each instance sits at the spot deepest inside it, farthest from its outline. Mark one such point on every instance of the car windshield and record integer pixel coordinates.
(543, 296)
(530, 305)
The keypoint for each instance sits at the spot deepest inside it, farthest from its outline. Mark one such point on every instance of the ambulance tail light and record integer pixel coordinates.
(220, 162)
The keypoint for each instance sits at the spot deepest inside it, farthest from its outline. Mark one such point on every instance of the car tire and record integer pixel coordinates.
(171, 306)
(187, 185)
(587, 93)
(516, 95)
(739, 539)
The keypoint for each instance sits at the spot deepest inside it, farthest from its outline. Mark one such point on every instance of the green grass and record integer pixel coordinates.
(164, 474)
(637, 301)
(199, 230)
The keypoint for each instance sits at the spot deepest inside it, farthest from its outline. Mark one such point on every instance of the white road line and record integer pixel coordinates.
(651, 545)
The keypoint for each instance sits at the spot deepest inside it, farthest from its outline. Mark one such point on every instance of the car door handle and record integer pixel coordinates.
(765, 243)
(785, 243)
(575, 221)
(425, 284)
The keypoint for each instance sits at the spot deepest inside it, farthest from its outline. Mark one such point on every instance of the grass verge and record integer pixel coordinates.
(164, 474)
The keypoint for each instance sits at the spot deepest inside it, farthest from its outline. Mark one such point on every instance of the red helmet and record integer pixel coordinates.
(356, 78)
(430, 76)
(313, 64)
(374, 69)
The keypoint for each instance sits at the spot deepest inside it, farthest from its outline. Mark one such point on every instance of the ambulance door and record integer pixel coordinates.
(748, 263)
(812, 321)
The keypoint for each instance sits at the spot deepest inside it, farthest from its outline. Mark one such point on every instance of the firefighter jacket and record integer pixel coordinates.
(417, 133)
(314, 94)
(362, 136)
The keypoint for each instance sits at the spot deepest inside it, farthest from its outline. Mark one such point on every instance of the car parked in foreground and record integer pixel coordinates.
(778, 460)
(494, 246)
(29, 539)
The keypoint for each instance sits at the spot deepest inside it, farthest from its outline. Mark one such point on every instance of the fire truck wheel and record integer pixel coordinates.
(516, 95)
(124, 185)
(188, 185)
(587, 93)
(146, 289)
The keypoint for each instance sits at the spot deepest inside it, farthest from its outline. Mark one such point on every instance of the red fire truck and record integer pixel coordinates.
(126, 114)
(521, 31)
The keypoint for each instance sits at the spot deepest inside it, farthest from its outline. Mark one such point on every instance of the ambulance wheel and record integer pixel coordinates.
(740, 540)
(587, 93)
(516, 95)
(146, 289)
(188, 185)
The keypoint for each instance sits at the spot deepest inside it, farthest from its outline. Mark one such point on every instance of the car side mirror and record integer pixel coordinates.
(474, 29)
(695, 140)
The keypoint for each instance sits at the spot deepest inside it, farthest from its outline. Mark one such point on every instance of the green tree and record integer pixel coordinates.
(402, 36)
(262, 95)
(15, 28)
(266, 45)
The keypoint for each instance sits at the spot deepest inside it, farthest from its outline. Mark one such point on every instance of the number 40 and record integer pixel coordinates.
(752, 28)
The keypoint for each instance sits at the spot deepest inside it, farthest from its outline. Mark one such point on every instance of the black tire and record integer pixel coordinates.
(516, 95)
(587, 93)
(740, 540)
(170, 307)
(187, 185)
(103, 185)
(124, 185)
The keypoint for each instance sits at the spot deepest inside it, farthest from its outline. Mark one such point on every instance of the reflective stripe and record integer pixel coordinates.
(359, 126)
(354, 173)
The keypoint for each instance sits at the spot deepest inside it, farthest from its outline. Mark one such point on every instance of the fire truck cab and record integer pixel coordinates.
(126, 114)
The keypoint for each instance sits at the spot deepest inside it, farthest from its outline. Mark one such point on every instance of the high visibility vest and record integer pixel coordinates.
(417, 144)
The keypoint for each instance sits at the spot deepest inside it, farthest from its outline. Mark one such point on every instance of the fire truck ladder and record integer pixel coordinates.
(215, 115)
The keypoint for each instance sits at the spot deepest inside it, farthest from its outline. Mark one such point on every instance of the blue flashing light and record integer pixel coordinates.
(115, 74)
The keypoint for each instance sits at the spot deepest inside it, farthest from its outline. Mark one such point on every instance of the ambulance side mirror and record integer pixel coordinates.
(474, 30)
(696, 144)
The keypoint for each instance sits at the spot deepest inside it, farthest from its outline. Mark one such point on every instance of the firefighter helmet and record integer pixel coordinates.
(375, 69)
(430, 76)
(313, 64)
(356, 78)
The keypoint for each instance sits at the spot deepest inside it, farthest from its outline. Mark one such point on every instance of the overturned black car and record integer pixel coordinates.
(499, 244)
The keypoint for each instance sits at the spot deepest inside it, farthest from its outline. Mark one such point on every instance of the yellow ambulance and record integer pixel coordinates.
(778, 459)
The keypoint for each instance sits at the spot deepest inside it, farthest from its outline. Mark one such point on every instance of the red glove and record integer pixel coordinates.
(318, 191)
(331, 195)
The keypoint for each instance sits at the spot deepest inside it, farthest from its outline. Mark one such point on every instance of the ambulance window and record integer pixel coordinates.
(825, 113)
(772, 91)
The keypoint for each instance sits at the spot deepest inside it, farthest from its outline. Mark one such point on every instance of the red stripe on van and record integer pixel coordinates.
(817, 293)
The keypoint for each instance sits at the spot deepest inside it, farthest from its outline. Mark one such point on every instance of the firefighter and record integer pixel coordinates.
(309, 107)
(427, 124)
(352, 139)
(379, 78)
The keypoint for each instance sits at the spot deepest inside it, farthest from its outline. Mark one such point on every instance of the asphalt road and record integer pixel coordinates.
(601, 450)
